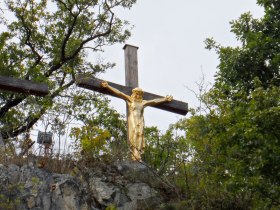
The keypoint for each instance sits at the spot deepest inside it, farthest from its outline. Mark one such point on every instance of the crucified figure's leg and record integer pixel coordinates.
(135, 154)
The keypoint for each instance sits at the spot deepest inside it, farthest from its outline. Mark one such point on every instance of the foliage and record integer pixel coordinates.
(9, 197)
(233, 149)
(49, 42)
(103, 133)
(110, 120)
(235, 145)
(236, 152)
(258, 56)
(111, 207)
(166, 152)
(92, 140)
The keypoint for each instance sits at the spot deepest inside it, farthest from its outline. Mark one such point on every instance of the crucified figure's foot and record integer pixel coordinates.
(135, 154)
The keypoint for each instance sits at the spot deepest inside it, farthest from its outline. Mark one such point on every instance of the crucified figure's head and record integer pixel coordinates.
(137, 94)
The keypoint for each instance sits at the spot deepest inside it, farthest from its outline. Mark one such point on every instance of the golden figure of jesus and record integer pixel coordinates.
(135, 119)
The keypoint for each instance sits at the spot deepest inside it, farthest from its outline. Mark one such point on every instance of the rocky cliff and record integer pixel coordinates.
(123, 186)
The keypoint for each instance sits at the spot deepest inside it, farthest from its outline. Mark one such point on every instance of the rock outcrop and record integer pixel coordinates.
(122, 186)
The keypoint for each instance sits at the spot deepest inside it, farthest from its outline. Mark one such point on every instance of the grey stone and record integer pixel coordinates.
(30, 201)
(4, 174)
(101, 191)
(67, 195)
(140, 191)
(126, 166)
(129, 206)
(46, 201)
(38, 189)
(142, 196)
(134, 171)
(2, 144)
(120, 198)
(14, 173)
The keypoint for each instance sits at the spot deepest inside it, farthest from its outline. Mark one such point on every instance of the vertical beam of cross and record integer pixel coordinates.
(131, 71)
(131, 66)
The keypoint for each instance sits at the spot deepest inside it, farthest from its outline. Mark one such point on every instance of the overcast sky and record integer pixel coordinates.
(170, 36)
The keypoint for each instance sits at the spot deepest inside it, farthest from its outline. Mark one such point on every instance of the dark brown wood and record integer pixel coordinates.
(92, 83)
(131, 66)
(23, 86)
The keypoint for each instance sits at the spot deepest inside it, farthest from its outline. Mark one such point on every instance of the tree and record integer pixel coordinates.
(49, 42)
(100, 136)
(235, 159)
(258, 55)
(237, 152)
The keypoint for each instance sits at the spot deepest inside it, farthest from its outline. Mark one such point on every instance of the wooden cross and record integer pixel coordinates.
(131, 81)
(23, 86)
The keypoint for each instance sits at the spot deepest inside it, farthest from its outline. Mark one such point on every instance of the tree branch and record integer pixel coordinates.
(10, 104)
(92, 38)
(28, 41)
(67, 36)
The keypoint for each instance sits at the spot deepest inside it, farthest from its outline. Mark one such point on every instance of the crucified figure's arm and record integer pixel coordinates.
(158, 101)
(116, 92)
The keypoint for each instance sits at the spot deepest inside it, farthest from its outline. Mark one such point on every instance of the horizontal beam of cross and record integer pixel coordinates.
(23, 86)
(92, 83)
